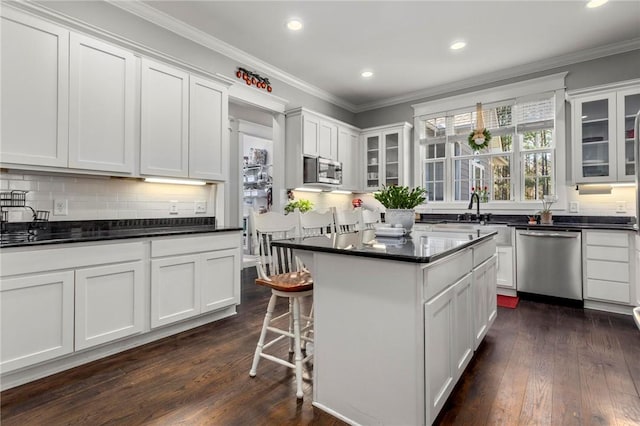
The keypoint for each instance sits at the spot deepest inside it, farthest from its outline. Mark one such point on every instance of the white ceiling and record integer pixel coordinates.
(406, 44)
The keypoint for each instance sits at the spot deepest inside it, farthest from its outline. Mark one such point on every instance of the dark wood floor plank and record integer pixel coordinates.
(585, 362)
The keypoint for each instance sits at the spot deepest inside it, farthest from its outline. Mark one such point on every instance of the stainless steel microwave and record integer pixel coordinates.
(322, 170)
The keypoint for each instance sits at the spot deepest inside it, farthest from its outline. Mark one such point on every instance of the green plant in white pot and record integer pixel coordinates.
(400, 203)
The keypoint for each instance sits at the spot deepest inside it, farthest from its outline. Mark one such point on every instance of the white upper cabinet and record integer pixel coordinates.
(386, 155)
(349, 156)
(602, 128)
(208, 135)
(310, 135)
(164, 126)
(101, 106)
(35, 78)
(319, 136)
(328, 140)
(183, 124)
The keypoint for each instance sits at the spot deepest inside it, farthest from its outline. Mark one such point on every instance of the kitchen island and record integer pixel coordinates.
(396, 321)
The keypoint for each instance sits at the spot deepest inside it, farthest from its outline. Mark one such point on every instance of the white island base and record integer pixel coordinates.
(393, 337)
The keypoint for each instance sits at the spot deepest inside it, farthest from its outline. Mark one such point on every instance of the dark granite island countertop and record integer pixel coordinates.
(418, 247)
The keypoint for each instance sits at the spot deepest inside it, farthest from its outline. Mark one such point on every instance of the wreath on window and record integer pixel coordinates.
(479, 140)
(480, 137)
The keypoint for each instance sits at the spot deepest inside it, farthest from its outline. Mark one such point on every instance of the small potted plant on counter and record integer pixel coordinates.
(545, 213)
(302, 205)
(400, 202)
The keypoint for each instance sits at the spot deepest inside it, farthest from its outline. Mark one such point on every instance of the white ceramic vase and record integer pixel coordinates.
(404, 217)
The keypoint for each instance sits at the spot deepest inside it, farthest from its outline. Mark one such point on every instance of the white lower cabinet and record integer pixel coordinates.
(485, 299)
(109, 303)
(505, 269)
(608, 269)
(185, 281)
(448, 333)
(37, 318)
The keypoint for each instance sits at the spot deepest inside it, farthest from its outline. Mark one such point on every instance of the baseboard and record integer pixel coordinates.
(608, 307)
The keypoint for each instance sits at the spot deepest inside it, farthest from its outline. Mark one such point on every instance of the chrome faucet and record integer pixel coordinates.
(475, 194)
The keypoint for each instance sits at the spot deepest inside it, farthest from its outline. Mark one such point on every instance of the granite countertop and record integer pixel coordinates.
(47, 233)
(419, 247)
(560, 222)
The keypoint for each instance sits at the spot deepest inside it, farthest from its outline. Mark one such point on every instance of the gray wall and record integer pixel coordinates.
(610, 69)
(109, 18)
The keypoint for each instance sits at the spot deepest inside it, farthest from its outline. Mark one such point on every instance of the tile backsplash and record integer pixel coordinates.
(97, 197)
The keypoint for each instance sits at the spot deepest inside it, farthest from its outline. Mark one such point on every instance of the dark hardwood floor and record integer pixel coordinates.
(539, 364)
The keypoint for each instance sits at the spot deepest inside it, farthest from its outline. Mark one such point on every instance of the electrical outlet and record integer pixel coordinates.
(173, 207)
(60, 207)
(200, 207)
(621, 207)
(574, 207)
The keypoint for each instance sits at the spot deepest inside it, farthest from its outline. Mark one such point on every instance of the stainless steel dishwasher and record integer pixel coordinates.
(549, 263)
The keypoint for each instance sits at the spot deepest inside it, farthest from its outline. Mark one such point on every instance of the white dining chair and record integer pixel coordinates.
(314, 223)
(281, 271)
(346, 220)
(369, 218)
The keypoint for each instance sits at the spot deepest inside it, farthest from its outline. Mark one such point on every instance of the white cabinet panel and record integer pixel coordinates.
(463, 325)
(605, 270)
(386, 155)
(109, 303)
(208, 135)
(349, 156)
(310, 136)
(328, 140)
(485, 299)
(101, 106)
(505, 275)
(611, 291)
(164, 121)
(35, 79)
(175, 289)
(220, 279)
(37, 318)
(439, 359)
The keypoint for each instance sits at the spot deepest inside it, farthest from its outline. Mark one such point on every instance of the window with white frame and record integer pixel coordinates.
(516, 166)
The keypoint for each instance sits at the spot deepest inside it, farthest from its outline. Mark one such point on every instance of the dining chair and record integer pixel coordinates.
(281, 271)
(346, 220)
(369, 218)
(314, 223)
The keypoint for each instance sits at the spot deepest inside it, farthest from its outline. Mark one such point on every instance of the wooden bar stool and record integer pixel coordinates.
(281, 271)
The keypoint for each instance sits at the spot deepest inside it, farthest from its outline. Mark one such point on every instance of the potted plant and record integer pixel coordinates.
(302, 205)
(400, 202)
(545, 213)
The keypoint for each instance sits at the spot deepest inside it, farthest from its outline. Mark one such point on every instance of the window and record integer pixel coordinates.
(518, 164)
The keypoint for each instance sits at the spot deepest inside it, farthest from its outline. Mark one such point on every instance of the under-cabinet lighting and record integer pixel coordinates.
(175, 181)
(622, 185)
(596, 3)
(339, 191)
(594, 189)
(308, 189)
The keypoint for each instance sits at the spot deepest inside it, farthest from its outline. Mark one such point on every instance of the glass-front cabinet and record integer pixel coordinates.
(603, 135)
(386, 155)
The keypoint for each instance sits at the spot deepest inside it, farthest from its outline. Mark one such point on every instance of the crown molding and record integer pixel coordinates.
(182, 29)
(512, 72)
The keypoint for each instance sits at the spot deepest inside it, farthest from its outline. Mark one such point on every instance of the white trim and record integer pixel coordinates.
(495, 94)
(604, 87)
(254, 129)
(301, 110)
(253, 96)
(176, 26)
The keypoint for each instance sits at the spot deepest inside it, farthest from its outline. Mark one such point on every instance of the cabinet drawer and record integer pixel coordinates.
(442, 274)
(609, 239)
(608, 271)
(199, 244)
(483, 252)
(608, 290)
(617, 254)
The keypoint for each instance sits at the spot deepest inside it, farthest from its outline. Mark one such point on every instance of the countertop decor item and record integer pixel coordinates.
(480, 137)
(399, 202)
(545, 213)
(302, 205)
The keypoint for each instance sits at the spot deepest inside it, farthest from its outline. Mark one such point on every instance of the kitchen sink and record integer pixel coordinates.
(504, 232)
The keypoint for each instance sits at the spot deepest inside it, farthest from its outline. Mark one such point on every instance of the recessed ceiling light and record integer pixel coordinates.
(596, 3)
(458, 45)
(584, 116)
(366, 74)
(294, 24)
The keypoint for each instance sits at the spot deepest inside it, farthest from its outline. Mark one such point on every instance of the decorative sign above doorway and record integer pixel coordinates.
(254, 79)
